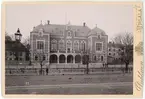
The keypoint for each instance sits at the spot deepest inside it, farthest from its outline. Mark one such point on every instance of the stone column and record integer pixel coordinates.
(48, 60)
(81, 59)
(73, 59)
(57, 59)
(65, 60)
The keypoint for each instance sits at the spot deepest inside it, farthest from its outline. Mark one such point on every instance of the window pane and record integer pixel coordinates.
(53, 46)
(76, 45)
(40, 45)
(61, 45)
(98, 46)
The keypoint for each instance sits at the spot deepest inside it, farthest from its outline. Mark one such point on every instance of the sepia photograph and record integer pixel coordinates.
(69, 49)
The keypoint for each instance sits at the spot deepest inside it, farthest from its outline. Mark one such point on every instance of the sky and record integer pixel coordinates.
(113, 19)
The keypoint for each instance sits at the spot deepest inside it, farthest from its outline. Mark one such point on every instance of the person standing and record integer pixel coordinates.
(103, 66)
(46, 71)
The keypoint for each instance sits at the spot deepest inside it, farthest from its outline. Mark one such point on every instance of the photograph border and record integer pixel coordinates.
(137, 58)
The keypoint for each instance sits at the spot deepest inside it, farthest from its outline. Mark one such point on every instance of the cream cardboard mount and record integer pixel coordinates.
(137, 56)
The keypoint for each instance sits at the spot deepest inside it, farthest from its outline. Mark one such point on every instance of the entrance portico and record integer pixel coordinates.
(65, 58)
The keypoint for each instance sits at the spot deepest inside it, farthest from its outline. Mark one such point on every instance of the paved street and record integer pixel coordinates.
(90, 88)
(70, 84)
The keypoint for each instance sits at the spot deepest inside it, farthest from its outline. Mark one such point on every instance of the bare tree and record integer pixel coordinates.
(26, 43)
(126, 44)
(41, 60)
(12, 37)
(7, 37)
(86, 59)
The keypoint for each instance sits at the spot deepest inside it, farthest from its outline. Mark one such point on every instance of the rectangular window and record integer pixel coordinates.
(40, 45)
(98, 46)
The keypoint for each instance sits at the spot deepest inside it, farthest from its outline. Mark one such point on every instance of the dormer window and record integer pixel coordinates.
(41, 32)
(99, 36)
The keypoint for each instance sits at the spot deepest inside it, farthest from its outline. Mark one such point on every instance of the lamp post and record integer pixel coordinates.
(18, 37)
(85, 60)
(41, 59)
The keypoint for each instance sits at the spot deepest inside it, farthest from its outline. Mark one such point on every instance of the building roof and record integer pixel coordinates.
(15, 46)
(110, 44)
(57, 29)
(97, 30)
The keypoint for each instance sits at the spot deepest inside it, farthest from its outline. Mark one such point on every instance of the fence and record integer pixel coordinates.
(36, 71)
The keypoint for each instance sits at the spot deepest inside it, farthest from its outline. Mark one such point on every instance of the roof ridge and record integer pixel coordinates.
(66, 25)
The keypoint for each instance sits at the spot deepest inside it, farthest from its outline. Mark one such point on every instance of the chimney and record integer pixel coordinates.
(84, 24)
(48, 22)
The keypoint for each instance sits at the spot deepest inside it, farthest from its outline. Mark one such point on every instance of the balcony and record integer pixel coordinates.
(53, 51)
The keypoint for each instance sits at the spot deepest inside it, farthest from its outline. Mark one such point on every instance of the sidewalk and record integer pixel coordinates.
(70, 73)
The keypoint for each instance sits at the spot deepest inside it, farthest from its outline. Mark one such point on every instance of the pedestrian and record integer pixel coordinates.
(107, 66)
(46, 71)
(103, 66)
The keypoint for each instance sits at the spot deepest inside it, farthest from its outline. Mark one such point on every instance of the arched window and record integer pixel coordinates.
(69, 34)
(83, 46)
(41, 32)
(53, 45)
(61, 45)
(69, 46)
(95, 58)
(76, 45)
(101, 58)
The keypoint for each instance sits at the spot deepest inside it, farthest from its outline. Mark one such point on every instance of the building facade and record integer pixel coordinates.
(15, 51)
(66, 43)
(114, 51)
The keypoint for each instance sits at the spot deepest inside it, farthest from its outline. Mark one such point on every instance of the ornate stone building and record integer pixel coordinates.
(56, 43)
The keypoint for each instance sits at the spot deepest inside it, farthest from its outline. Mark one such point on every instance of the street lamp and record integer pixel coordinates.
(85, 60)
(18, 37)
